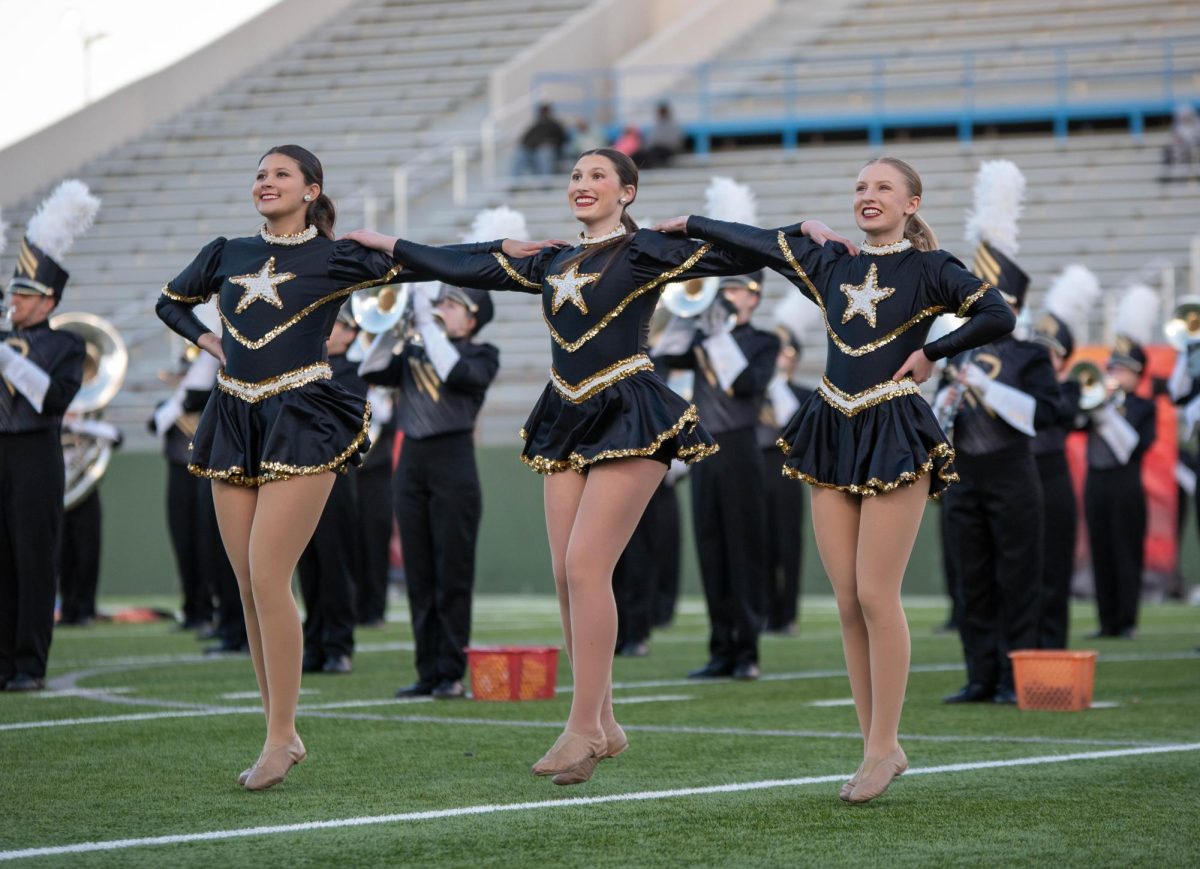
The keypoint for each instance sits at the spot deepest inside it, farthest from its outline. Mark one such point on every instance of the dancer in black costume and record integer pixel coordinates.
(866, 440)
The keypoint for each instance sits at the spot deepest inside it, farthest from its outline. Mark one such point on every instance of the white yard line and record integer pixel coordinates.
(552, 805)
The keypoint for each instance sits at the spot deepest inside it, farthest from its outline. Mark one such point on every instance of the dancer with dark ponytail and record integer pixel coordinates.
(605, 417)
(277, 427)
(866, 440)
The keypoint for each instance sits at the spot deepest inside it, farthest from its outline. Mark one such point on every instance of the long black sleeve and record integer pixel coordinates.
(957, 290)
(482, 271)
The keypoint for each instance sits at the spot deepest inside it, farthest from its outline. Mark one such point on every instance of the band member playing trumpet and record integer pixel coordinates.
(1072, 294)
(41, 370)
(1120, 431)
(733, 363)
(443, 377)
(994, 516)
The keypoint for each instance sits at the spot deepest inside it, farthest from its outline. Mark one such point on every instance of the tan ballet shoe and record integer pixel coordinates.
(273, 766)
(569, 751)
(245, 774)
(877, 776)
(617, 742)
(844, 793)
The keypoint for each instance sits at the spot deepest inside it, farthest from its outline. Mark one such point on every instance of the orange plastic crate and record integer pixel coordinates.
(513, 672)
(1054, 680)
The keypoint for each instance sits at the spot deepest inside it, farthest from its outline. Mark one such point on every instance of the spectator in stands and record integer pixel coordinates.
(629, 142)
(585, 137)
(663, 142)
(1182, 153)
(541, 144)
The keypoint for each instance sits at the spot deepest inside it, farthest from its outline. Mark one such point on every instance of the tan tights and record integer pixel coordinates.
(865, 544)
(589, 519)
(264, 531)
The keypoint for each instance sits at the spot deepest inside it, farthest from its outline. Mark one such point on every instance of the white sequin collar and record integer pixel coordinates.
(882, 249)
(608, 236)
(289, 240)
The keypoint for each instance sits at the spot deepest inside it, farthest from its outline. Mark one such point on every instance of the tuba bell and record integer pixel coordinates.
(86, 448)
(691, 298)
(1093, 391)
(1183, 328)
(380, 309)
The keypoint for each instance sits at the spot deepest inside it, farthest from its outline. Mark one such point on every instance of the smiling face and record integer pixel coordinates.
(279, 189)
(883, 203)
(595, 191)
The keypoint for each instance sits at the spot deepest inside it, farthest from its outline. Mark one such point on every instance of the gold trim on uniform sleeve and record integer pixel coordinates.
(513, 273)
(972, 299)
(187, 300)
(572, 346)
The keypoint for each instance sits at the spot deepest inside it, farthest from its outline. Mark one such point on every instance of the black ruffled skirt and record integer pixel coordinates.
(894, 443)
(637, 416)
(318, 427)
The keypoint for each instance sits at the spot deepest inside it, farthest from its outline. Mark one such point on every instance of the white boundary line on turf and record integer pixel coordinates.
(573, 802)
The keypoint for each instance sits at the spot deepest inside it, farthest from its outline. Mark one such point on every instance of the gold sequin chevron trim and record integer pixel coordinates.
(300, 315)
(833, 336)
(276, 471)
(254, 392)
(513, 273)
(876, 486)
(852, 405)
(572, 346)
(972, 299)
(189, 300)
(577, 393)
(580, 464)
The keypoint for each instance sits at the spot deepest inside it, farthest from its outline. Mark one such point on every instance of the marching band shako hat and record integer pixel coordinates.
(478, 302)
(1001, 272)
(791, 343)
(1128, 353)
(1055, 334)
(37, 273)
(752, 281)
(1136, 324)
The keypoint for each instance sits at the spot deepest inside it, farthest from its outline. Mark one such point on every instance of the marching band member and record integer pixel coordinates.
(994, 517)
(41, 370)
(1072, 295)
(866, 440)
(1120, 431)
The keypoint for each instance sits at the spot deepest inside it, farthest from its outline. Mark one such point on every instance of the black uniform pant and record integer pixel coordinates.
(634, 582)
(186, 522)
(995, 527)
(326, 570)
(31, 516)
(664, 505)
(1060, 516)
(950, 571)
(438, 507)
(79, 572)
(785, 536)
(1114, 505)
(728, 514)
(374, 532)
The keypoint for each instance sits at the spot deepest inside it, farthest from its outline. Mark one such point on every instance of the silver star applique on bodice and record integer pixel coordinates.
(568, 288)
(865, 296)
(261, 285)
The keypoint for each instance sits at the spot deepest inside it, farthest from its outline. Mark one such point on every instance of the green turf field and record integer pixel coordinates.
(133, 758)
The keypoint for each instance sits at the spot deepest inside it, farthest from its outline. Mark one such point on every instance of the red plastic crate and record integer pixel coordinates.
(513, 672)
(1054, 680)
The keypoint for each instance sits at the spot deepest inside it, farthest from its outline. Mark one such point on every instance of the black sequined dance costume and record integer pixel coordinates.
(604, 400)
(276, 412)
(862, 432)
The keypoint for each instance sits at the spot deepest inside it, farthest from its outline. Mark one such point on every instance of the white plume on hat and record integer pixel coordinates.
(64, 215)
(726, 199)
(999, 194)
(798, 315)
(493, 223)
(1137, 314)
(1073, 294)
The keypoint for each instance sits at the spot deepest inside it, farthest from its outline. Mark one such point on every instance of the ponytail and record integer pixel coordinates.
(320, 212)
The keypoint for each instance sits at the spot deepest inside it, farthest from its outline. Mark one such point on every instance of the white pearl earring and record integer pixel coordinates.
(308, 197)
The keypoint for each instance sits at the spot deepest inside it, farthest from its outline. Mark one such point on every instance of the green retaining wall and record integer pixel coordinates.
(513, 556)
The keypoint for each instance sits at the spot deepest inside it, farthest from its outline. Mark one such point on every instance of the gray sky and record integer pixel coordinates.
(43, 77)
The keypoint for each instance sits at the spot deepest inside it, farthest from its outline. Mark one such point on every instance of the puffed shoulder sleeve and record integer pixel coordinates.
(656, 258)
(785, 250)
(482, 266)
(192, 286)
(948, 284)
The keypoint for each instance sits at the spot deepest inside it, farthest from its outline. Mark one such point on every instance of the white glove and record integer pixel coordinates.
(977, 378)
(422, 309)
(675, 338)
(443, 354)
(25, 376)
(726, 358)
(1121, 437)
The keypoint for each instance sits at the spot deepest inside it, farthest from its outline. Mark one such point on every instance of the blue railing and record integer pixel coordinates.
(1056, 84)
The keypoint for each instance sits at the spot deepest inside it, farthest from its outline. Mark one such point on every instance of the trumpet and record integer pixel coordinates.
(88, 444)
(1093, 386)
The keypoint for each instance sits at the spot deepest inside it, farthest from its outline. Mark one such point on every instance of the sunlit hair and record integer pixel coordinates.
(916, 230)
(321, 212)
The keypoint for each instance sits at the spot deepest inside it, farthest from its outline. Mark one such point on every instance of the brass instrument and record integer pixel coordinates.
(690, 298)
(86, 453)
(1093, 388)
(1183, 329)
(380, 309)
